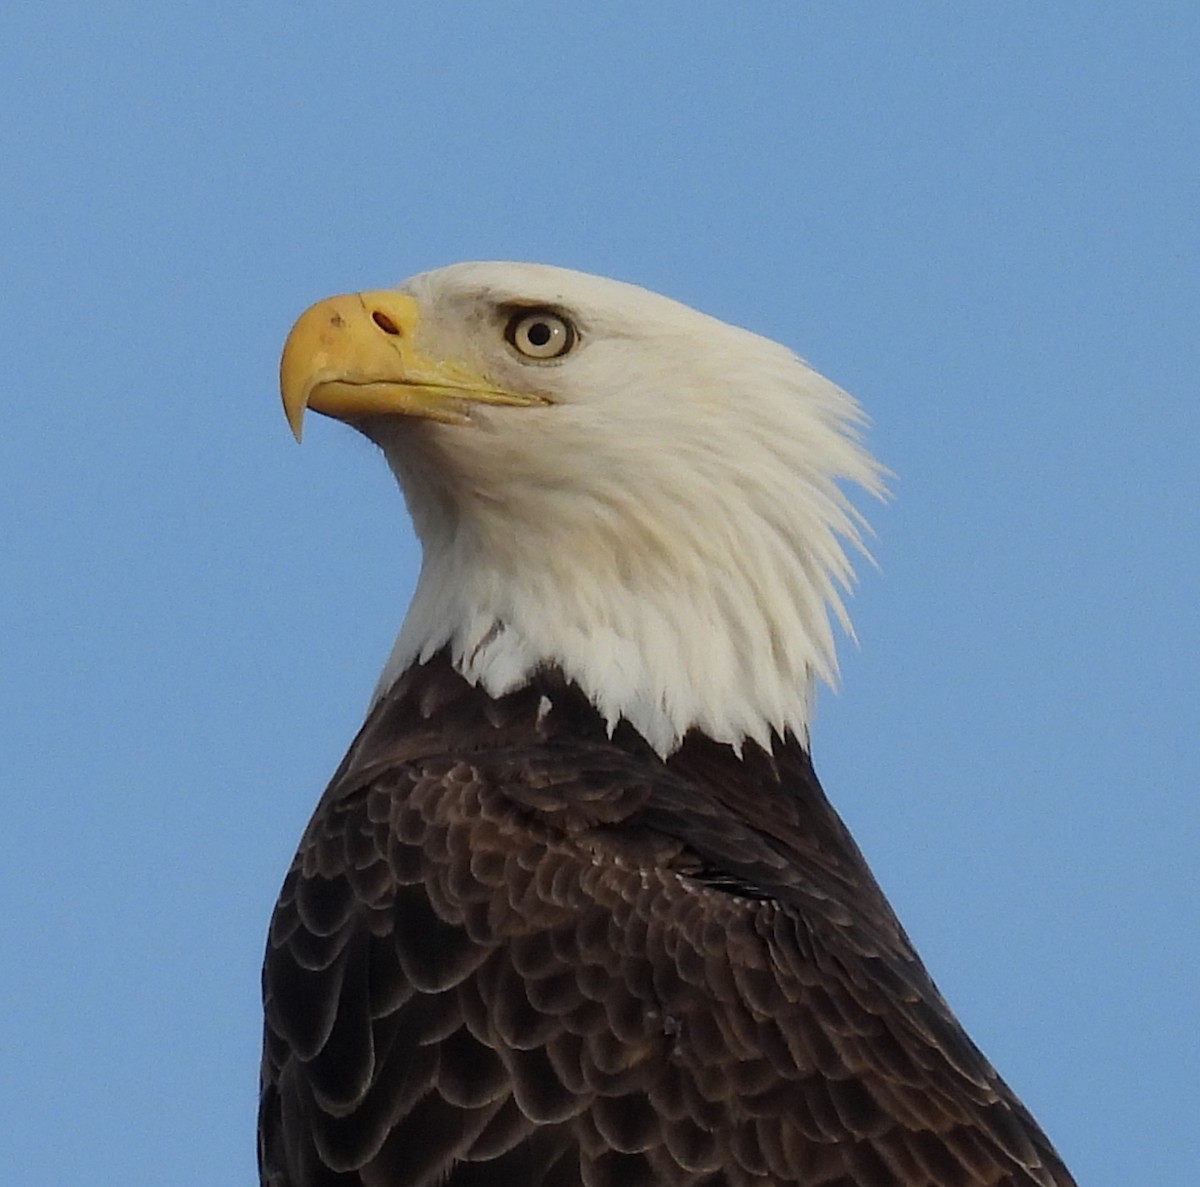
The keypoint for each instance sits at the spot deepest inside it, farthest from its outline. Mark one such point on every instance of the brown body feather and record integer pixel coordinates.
(515, 952)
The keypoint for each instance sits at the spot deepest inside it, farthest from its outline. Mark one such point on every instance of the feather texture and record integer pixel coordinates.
(515, 950)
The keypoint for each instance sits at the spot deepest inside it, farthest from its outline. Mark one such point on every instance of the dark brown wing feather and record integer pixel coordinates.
(514, 952)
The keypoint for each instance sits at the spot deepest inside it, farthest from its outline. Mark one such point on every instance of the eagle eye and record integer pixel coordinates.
(540, 334)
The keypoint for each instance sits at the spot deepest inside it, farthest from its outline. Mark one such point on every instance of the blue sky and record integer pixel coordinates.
(983, 220)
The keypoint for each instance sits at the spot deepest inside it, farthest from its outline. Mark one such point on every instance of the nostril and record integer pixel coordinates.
(385, 323)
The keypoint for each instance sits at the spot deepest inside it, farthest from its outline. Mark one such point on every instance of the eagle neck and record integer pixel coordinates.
(669, 649)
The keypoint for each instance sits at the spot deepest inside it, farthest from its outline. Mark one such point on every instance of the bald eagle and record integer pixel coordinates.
(574, 911)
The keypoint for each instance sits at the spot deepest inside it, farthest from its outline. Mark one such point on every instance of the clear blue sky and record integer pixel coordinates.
(983, 220)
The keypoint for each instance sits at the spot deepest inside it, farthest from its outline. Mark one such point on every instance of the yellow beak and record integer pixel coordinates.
(353, 357)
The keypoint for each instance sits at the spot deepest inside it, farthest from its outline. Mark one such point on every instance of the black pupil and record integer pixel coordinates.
(538, 333)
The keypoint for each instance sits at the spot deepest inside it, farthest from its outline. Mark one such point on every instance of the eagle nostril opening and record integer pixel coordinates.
(385, 323)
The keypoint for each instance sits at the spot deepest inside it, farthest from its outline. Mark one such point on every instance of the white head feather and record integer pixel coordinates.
(668, 530)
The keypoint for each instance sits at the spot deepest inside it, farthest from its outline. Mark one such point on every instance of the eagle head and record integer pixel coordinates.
(604, 481)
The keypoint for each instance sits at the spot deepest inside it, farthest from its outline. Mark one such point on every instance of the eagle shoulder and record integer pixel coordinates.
(514, 949)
